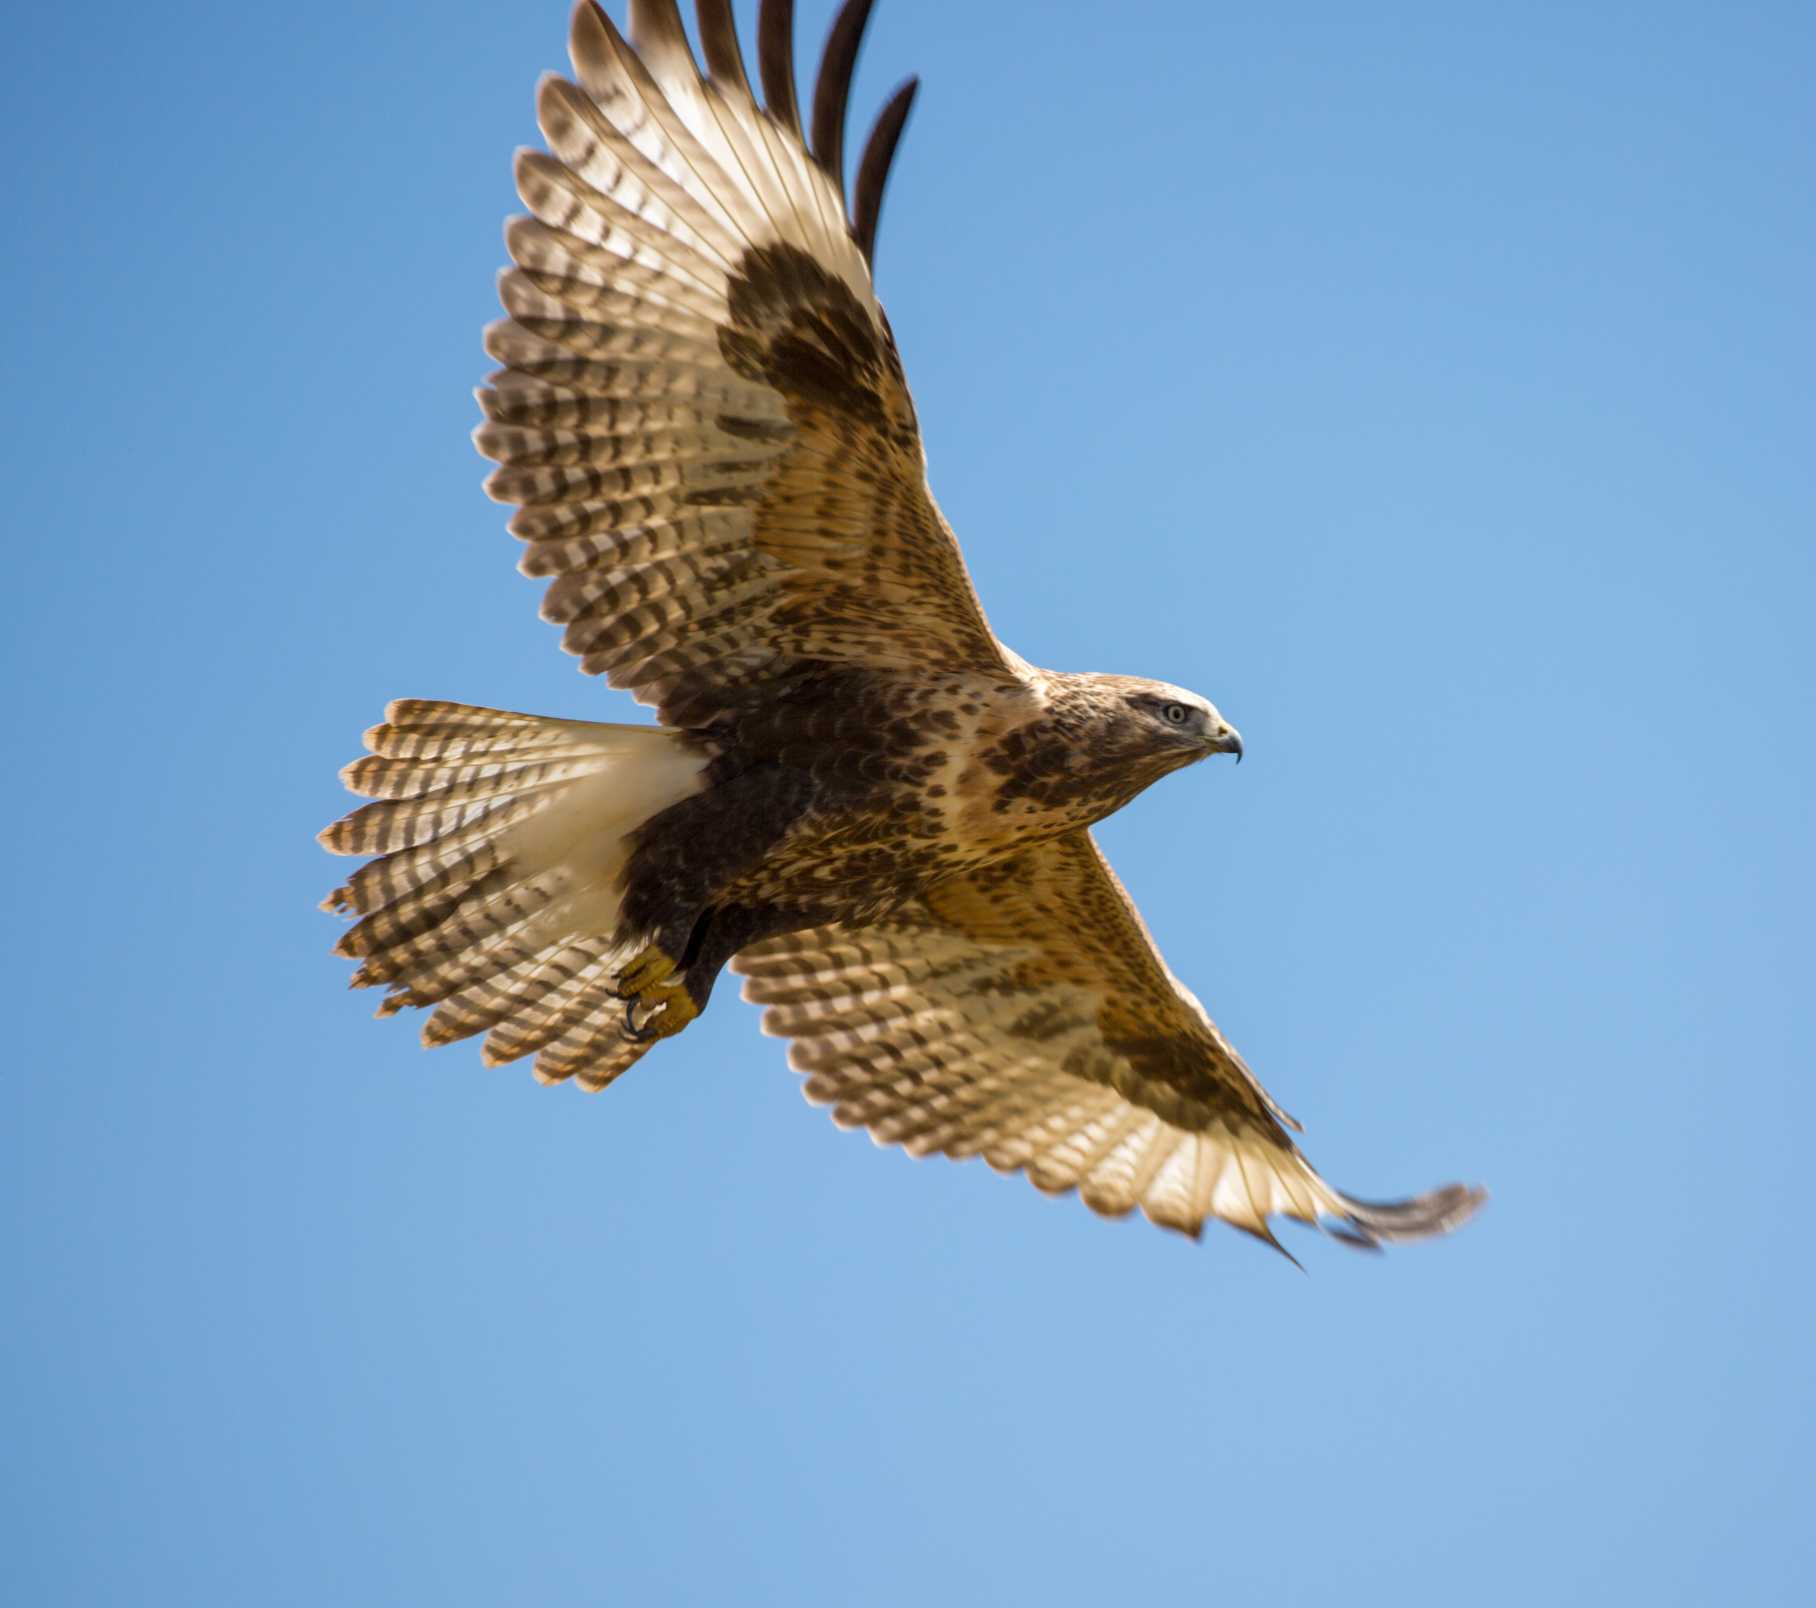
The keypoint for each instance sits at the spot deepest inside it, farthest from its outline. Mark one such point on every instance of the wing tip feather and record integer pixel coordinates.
(1437, 1212)
(832, 88)
(775, 62)
(874, 165)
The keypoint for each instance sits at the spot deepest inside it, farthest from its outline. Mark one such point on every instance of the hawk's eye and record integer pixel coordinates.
(1176, 714)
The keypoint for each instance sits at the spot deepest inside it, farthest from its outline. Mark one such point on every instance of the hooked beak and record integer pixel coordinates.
(1225, 740)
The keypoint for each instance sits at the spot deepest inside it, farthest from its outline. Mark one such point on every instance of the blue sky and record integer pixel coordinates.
(1430, 388)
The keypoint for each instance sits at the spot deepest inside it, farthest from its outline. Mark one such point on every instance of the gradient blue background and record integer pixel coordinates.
(1430, 388)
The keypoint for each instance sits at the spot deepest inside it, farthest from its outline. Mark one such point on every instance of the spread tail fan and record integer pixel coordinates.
(501, 841)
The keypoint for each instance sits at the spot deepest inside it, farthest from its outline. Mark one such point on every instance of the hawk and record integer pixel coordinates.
(856, 795)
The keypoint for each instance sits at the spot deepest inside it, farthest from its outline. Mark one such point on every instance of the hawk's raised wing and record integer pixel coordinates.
(1022, 1013)
(702, 411)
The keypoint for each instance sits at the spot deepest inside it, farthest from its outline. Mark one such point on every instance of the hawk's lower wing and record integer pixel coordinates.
(1022, 1013)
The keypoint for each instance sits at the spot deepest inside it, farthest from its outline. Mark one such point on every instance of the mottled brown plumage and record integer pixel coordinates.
(856, 794)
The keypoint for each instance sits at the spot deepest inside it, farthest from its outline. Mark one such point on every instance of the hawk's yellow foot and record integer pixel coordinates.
(666, 1012)
(649, 970)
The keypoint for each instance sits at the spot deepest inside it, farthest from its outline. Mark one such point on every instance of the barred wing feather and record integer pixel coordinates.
(702, 415)
(1022, 1013)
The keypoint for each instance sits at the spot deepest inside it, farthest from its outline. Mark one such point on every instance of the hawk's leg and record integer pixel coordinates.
(651, 968)
(671, 993)
(683, 859)
(649, 984)
(667, 1009)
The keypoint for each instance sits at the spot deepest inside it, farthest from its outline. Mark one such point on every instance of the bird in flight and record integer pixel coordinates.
(856, 796)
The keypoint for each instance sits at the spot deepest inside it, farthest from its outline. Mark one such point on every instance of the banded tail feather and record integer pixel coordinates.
(501, 841)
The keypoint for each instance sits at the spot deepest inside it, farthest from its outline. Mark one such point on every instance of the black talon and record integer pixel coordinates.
(636, 1034)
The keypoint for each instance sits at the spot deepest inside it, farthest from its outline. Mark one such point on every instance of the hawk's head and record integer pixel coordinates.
(1174, 724)
(1135, 731)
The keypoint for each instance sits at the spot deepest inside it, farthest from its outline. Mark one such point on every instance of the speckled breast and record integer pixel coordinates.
(892, 782)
